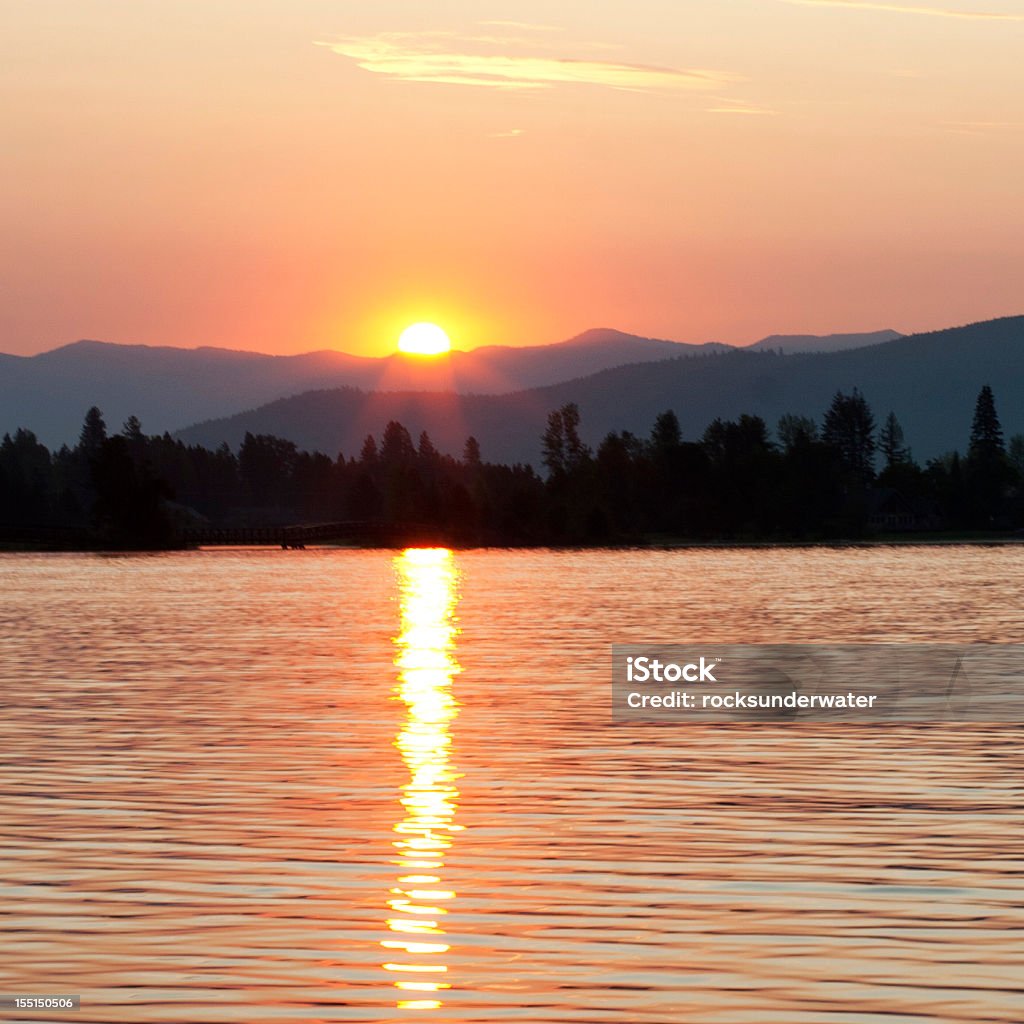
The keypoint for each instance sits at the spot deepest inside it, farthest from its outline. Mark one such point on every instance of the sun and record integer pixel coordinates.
(424, 339)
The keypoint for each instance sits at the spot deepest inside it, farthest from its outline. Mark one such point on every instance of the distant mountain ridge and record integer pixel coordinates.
(792, 344)
(929, 380)
(169, 388)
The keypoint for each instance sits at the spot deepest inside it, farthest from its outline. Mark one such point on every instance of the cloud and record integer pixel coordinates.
(931, 12)
(512, 133)
(441, 57)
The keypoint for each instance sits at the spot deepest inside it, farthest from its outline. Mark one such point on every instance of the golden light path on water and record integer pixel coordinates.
(426, 663)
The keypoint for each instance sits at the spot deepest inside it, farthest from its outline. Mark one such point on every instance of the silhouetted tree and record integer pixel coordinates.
(132, 429)
(368, 453)
(811, 488)
(666, 434)
(26, 479)
(396, 445)
(128, 509)
(363, 499)
(850, 429)
(471, 453)
(945, 478)
(986, 432)
(553, 444)
(563, 450)
(572, 500)
(1015, 453)
(988, 470)
(576, 452)
(743, 471)
(94, 433)
(311, 486)
(267, 465)
(890, 442)
(618, 481)
(425, 449)
(796, 431)
(733, 482)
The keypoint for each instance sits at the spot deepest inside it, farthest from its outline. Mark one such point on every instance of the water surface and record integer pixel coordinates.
(374, 786)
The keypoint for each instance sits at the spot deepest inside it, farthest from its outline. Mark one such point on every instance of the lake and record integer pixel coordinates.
(339, 785)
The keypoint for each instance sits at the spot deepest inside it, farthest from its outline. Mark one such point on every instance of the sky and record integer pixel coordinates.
(290, 175)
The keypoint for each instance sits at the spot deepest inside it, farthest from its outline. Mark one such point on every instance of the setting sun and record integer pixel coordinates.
(424, 339)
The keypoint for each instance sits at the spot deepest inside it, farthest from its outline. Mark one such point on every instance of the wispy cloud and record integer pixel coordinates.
(441, 57)
(512, 133)
(894, 8)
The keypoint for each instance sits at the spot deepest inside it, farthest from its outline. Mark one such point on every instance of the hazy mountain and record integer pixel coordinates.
(170, 387)
(792, 344)
(929, 380)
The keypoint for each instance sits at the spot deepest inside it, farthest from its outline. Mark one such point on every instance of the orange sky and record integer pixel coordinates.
(285, 176)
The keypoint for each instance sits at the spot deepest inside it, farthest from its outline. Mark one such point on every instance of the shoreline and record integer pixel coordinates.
(661, 544)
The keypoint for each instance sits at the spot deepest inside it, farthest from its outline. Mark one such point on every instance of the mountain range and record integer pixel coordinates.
(791, 344)
(929, 380)
(170, 388)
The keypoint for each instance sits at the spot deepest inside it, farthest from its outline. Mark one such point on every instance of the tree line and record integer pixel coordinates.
(839, 478)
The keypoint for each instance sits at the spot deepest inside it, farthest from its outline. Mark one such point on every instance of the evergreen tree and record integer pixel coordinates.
(553, 444)
(796, 431)
(1015, 453)
(666, 434)
(850, 430)
(988, 470)
(128, 510)
(94, 433)
(368, 453)
(26, 474)
(132, 429)
(267, 466)
(890, 442)
(396, 445)
(563, 448)
(471, 453)
(576, 452)
(132, 433)
(426, 450)
(986, 433)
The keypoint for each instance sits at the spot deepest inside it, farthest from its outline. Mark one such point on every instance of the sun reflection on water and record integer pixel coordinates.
(426, 663)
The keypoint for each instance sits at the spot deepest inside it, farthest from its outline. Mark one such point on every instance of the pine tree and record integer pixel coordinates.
(1015, 452)
(94, 432)
(796, 431)
(890, 442)
(553, 444)
(471, 453)
(135, 439)
(132, 429)
(986, 433)
(368, 453)
(396, 445)
(988, 470)
(425, 449)
(666, 434)
(576, 452)
(850, 430)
